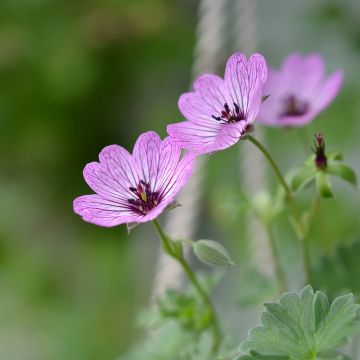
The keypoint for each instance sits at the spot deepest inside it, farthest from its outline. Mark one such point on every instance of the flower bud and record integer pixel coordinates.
(212, 253)
(320, 157)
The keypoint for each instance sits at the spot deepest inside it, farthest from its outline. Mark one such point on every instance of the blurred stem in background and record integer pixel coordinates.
(296, 214)
(174, 249)
(280, 276)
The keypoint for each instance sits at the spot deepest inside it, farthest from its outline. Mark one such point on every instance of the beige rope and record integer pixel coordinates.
(181, 223)
(252, 164)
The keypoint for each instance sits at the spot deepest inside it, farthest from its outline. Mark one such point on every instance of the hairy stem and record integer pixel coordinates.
(170, 249)
(296, 215)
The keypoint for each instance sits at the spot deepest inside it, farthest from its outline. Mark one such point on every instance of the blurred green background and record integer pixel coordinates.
(76, 76)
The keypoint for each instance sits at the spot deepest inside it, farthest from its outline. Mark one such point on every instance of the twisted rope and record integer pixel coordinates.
(181, 223)
(252, 164)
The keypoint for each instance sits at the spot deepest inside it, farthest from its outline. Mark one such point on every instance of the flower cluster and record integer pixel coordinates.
(137, 187)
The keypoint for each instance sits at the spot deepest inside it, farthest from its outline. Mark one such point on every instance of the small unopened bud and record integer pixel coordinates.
(320, 157)
(212, 253)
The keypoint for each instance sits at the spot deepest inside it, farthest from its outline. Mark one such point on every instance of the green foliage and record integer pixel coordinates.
(266, 206)
(212, 253)
(170, 341)
(186, 309)
(340, 271)
(302, 327)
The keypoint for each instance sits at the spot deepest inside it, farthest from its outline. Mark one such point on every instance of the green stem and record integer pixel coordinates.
(280, 276)
(294, 209)
(171, 250)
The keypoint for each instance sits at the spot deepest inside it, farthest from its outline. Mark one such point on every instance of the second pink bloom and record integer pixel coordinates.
(220, 111)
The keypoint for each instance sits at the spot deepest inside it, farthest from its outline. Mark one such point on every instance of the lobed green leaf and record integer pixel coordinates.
(302, 327)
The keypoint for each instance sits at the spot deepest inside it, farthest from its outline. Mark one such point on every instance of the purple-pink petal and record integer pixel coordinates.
(329, 90)
(244, 78)
(302, 82)
(97, 210)
(193, 136)
(210, 95)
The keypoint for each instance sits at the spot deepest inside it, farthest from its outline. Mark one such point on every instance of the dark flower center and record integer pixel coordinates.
(294, 106)
(145, 199)
(228, 115)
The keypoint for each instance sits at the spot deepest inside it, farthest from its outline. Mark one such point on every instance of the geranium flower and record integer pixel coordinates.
(220, 111)
(299, 91)
(134, 188)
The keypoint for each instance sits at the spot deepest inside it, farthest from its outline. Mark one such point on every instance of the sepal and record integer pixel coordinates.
(302, 177)
(342, 171)
(323, 184)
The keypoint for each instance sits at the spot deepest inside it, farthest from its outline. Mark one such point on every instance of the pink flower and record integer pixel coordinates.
(220, 111)
(299, 91)
(134, 188)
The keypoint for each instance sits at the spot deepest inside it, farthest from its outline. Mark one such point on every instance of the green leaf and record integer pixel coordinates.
(302, 177)
(256, 356)
(302, 327)
(343, 171)
(212, 253)
(323, 184)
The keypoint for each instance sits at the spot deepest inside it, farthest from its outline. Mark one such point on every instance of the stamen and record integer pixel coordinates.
(145, 200)
(237, 109)
(230, 115)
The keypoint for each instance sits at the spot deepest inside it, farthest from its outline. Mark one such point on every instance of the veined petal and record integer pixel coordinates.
(208, 99)
(112, 177)
(99, 179)
(204, 139)
(245, 79)
(228, 135)
(172, 183)
(120, 166)
(193, 136)
(103, 212)
(156, 160)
